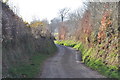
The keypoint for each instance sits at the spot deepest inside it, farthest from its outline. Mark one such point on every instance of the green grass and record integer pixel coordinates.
(31, 69)
(69, 43)
(32, 65)
(90, 60)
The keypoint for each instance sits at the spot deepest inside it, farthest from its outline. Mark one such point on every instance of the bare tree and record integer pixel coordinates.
(63, 13)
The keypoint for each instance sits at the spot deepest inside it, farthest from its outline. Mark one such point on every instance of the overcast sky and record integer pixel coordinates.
(43, 9)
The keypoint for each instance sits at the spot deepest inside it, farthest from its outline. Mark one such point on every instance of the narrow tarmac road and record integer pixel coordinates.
(64, 65)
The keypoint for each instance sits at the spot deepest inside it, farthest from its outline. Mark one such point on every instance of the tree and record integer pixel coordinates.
(54, 25)
(63, 13)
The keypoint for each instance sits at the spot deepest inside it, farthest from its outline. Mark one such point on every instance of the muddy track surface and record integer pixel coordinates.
(65, 65)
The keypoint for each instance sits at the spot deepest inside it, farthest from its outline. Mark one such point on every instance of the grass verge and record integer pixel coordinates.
(31, 69)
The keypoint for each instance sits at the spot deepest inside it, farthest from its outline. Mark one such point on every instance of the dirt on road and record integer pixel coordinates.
(64, 65)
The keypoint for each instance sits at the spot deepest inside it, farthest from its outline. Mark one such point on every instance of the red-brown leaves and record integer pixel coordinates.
(105, 22)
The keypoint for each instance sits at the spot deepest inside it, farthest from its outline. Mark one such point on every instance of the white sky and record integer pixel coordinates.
(43, 9)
